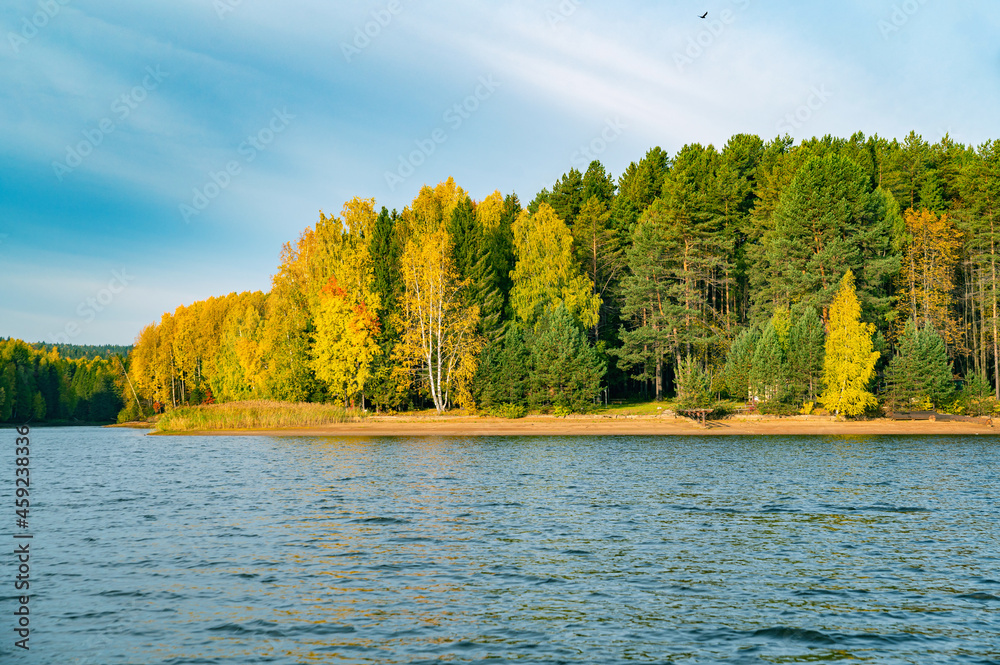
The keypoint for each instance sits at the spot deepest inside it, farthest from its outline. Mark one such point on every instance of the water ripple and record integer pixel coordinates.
(235, 550)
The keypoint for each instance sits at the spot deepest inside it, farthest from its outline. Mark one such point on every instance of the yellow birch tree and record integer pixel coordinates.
(849, 365)
(345, 344)
(546, 273)
(440, 331)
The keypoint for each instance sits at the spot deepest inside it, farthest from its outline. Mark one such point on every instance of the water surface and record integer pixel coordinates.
(509, 549)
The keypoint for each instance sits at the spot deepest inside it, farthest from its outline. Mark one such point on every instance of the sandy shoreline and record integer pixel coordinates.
(620, 425)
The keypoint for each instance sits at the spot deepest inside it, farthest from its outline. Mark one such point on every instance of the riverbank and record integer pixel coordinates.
(604, 425)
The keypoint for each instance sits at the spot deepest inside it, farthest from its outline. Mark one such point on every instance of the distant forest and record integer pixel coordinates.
(79, 351)
(61, 383)
(704, 275)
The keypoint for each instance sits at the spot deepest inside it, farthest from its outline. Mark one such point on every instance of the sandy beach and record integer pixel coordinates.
(622, 425)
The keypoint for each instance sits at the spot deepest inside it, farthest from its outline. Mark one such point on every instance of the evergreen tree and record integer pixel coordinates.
(902, 376)
(977, 395)
(980, 190)
(826, 222)
(465, 238)
(566, 371)
(600, 253)
(490, 281)
(504, 370)
(567, 196)
(805, 355)
(769, 367)
(386, 387)
(739, 363)
(638, 187)
(693, 385)
(919, 376)
(597, 183)
(936, 377)
(650, 303)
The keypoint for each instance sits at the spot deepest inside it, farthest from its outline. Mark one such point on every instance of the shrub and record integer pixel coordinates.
(776, 407)
(977, 395)
(506, 410)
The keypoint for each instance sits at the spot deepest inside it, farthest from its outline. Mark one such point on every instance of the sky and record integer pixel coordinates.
(161, 152)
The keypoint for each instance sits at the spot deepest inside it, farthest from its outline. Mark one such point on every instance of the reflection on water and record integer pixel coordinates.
(401, 550)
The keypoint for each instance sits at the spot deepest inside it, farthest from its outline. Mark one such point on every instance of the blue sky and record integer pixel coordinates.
(157, 153)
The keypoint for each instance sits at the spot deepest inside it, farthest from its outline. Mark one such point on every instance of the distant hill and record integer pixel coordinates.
(73, 351)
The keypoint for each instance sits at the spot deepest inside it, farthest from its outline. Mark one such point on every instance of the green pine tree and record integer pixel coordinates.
(739, 363)
(503, 372)
(935, 369)
(977, 395)
(769, 367)
(694, 385)
(805, 355)
(919, 375)
(566, 371)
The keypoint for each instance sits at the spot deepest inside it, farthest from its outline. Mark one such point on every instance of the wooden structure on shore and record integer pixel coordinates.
(697, 414)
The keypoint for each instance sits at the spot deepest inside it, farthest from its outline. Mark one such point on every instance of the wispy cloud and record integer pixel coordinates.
(561, 82)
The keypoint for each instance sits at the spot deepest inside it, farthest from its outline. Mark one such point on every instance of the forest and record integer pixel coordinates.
(40, 384)
(764, 272)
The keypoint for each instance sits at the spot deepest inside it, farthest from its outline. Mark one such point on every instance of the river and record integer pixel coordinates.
(242, 549)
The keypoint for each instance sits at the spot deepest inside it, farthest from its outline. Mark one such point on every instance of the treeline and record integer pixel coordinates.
(79, 351)
(710, 268)
(38, 385)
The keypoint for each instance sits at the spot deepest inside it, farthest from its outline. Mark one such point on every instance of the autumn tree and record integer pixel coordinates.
(346, 341)
(440, 331)
(345, 311)
(240, 358)
(928, 275)
(546, 275)
(849, 364)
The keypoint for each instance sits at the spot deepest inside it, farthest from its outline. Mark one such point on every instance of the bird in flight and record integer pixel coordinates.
(703, 15)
